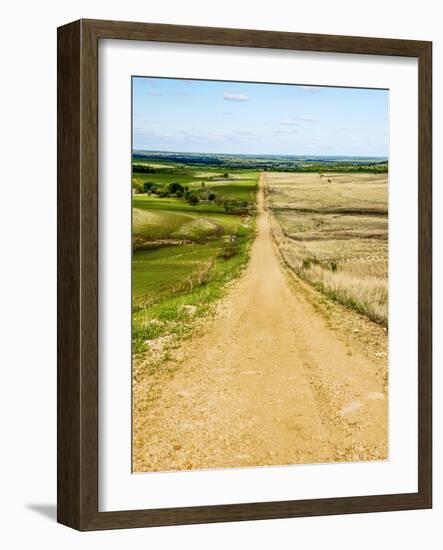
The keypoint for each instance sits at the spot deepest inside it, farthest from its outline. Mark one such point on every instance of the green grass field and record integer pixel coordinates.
(170, 204)
(239, 185)
(184, 254)
(158, 272)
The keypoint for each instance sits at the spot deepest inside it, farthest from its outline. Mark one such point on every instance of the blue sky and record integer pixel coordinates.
(249, 118)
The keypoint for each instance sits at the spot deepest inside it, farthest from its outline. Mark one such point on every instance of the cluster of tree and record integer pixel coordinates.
(377, 168)
(351, 167)
(173, 189)
(143, 169)
(276, 163)
(193, 197)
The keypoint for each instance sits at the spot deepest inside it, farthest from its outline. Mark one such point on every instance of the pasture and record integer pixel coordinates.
(332, 230)
(184, 254)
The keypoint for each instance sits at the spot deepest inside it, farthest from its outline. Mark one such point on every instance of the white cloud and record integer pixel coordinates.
(288, 131)
(235, 96)
(244, 132)
(296, 121)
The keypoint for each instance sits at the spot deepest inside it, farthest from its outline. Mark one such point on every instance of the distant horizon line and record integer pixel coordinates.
(261, 154)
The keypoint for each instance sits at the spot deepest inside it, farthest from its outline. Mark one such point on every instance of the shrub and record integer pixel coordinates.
(308, 262)
(193, 199)
(242, 231)
(147, 186)
(228, 251)
(174, 187)
(161, 192)
(143, 169)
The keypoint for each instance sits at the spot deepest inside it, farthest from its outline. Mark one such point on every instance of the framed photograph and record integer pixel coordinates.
(244, 274)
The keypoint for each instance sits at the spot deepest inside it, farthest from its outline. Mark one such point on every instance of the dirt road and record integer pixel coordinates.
(268, 381)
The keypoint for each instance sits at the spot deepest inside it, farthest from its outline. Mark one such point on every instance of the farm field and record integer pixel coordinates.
(332, 230)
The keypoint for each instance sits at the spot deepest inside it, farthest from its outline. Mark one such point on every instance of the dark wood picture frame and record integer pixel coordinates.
(77, 481)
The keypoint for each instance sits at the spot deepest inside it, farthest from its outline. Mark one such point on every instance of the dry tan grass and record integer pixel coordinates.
(335, 235)
(348, 192)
